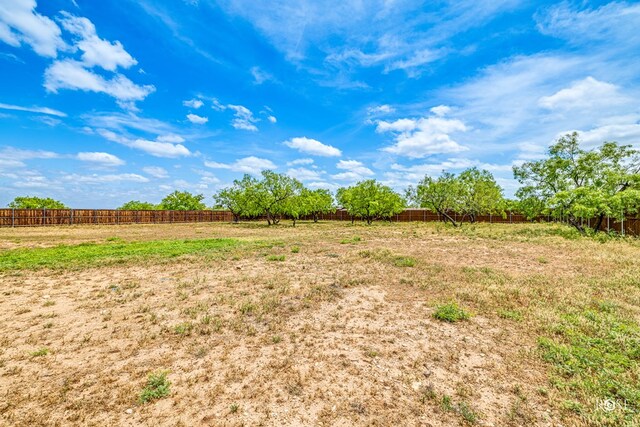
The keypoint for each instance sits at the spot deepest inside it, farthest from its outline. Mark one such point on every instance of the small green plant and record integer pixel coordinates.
(404, 261)
(40, 352)
(183, 328)
(510, 314)
(157, 387)
(451, 312)
(49, 303)
(234, 408)
(276, 339)
(275, 258)
(295, 249)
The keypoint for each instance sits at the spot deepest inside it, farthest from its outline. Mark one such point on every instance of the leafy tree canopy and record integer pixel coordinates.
(370, 200)
(136, 205)
(183, 201)
(32, 202)
(575, 183)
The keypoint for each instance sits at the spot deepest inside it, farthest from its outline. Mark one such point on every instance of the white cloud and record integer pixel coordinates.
(104, 159)
(96, 51)
(418, 138)
(70, 74)
(300, 162)
(11, 157)
(156, 171)
(156, 148)
(416, 61)
(244, 118)
(272, 119)
(304, 174)
(20, 23)
(381, 109)
(199, 120)
(614, 23)
(584, 94)
(109, 178)
(193, 103)
(41, 110)
(249, 164)
(354, 171)
(260, 76)
(441, 110)
(312, 146)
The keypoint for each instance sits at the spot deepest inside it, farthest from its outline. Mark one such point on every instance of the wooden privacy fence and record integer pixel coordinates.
(45, 217)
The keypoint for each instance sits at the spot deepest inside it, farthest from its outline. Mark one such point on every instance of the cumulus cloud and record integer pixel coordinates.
(156, 171)
(304, 174)
(244, 118)
(353, 171)
(418, 138)
(199, 120)
(40, 110)
(72, 75)
(104, 159)
(300, 162)
(96, 51)
(249, 164)
(193, 103)
(157, 148)
(20, 23)
(272, 119)
(583, 94)
(313, 147)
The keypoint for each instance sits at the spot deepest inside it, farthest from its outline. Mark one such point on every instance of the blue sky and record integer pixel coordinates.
(104, 102)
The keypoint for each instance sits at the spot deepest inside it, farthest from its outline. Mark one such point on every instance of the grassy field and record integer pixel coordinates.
(321, 324)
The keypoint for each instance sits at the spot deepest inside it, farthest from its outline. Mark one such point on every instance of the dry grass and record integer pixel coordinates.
(340, 331)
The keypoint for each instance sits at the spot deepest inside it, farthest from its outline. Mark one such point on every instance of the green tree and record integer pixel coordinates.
(237, 198)
(575, 184)
(273, 193)
(32, 202)
(442, 195)
(183, 201)
(479, 194)
(371, 200)
(317, 202)
(136, 205)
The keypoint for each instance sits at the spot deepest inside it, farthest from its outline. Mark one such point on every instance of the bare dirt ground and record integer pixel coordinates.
(337, 334)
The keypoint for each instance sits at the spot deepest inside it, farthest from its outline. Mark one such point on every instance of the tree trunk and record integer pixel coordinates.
(575, 223)
(447, 217)
(268, 218)
(294, 221)
(596, 228)
(315, 217)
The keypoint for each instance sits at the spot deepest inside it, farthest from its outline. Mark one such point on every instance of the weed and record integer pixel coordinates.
(510, 314)
(234, 408)
(451, 312)
(295, 249)
(183, 328)
(275, 258)
(40, 352)
(157, 387)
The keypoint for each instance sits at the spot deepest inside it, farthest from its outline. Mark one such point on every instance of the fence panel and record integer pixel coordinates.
(52, 217)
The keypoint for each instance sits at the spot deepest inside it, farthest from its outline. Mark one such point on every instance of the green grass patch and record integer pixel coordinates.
(510, 314)
(158, 386)
(39, 353)
(451, 312)
(275, 258)
(91, 254)
(595, 354)
(404, 261)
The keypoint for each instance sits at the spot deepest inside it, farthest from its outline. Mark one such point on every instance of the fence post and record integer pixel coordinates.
(490, 219)
(510, 217)
(13, 217)
(608, 226)
(622, 228)
(44, 216)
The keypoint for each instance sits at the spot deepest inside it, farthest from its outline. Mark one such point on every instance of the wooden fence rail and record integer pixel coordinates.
(48, 217)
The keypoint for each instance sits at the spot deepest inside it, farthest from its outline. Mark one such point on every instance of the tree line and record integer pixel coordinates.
(569, 183)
